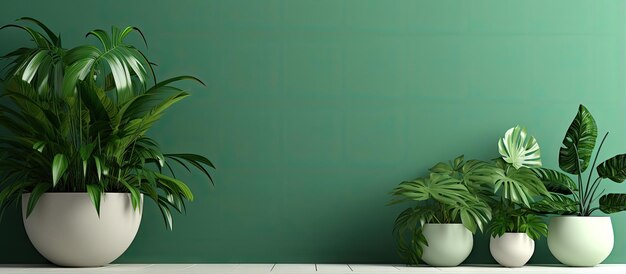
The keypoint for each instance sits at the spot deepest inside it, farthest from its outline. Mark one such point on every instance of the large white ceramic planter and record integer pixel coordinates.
(448, 244)
(512, 249)
(580, 241)
(66, 230)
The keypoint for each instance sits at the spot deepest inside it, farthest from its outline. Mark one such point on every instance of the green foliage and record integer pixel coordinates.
(578, 143)
(555, 181)
(451, 193)
(518, 149)
(556, 203)
(517, 221)
(574, 158)
(613, 202)
(613, 168)
(78, 120)
(518, 189)
(517, 185)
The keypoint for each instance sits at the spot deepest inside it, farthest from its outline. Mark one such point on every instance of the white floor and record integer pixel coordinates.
(307, 268)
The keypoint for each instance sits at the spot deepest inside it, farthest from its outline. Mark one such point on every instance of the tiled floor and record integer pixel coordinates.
(307, 268)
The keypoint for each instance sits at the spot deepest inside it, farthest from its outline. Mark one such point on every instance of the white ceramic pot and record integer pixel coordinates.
(580, 241)
(512, 249)
(448, 244)
(66, 230)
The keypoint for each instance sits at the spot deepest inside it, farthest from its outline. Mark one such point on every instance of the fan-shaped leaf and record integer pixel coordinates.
(579, 142)
(518, 185)
(441, 188)
(519, 149)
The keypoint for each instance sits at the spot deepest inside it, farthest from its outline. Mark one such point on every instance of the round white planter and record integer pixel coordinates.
(580, 241)
(448, 244)
(512, 249)
(66, 230)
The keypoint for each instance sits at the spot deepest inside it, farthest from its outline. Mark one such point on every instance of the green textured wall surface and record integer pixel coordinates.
(315, 110)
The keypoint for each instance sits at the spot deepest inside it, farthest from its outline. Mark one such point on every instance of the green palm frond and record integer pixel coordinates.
(79, 120)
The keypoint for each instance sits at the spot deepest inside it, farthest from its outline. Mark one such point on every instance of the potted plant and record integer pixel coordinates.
(77, 155)
(515, 225)
(448, 208)
(577, 238)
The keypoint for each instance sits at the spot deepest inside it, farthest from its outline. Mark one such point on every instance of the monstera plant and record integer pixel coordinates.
(448, 208)
(516, 222)
(77, 121)
(594, 235)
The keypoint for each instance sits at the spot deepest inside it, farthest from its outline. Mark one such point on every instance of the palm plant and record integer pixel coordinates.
(517, 187)
(451, 193)
(78, 120)
(574, 158)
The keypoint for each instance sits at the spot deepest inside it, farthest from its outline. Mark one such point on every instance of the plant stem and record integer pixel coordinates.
(593, 189)
(594, 165)
(581, 191)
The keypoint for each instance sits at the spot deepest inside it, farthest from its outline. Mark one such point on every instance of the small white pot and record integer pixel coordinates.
(580, 240)
(448, 244)
(66, 230)
(512, 249)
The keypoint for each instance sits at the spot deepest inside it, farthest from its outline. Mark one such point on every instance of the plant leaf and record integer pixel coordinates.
(95, 194)
(134, 192)
(59, 166)
(519, 149)
(613, 168)
(613, 202)
(555, 181)
(518, 185)
(578, 143)
(556, 204)
(38, 190)
(39, 146)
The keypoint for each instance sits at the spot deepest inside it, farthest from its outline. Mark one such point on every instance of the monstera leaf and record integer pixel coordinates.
(410, 248)
(556, 204)
(555, 181)
(519, 149)
(474, 215)
(451, 168)
(578, 143)
(441, 188)
(518, 185)
(613, 168)
(613, 202)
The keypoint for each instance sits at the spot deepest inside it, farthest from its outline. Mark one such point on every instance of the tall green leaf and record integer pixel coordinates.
(518, 149)
(613, 168)
(578, 143)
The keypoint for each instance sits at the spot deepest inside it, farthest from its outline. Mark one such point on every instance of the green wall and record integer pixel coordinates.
(315, 110)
